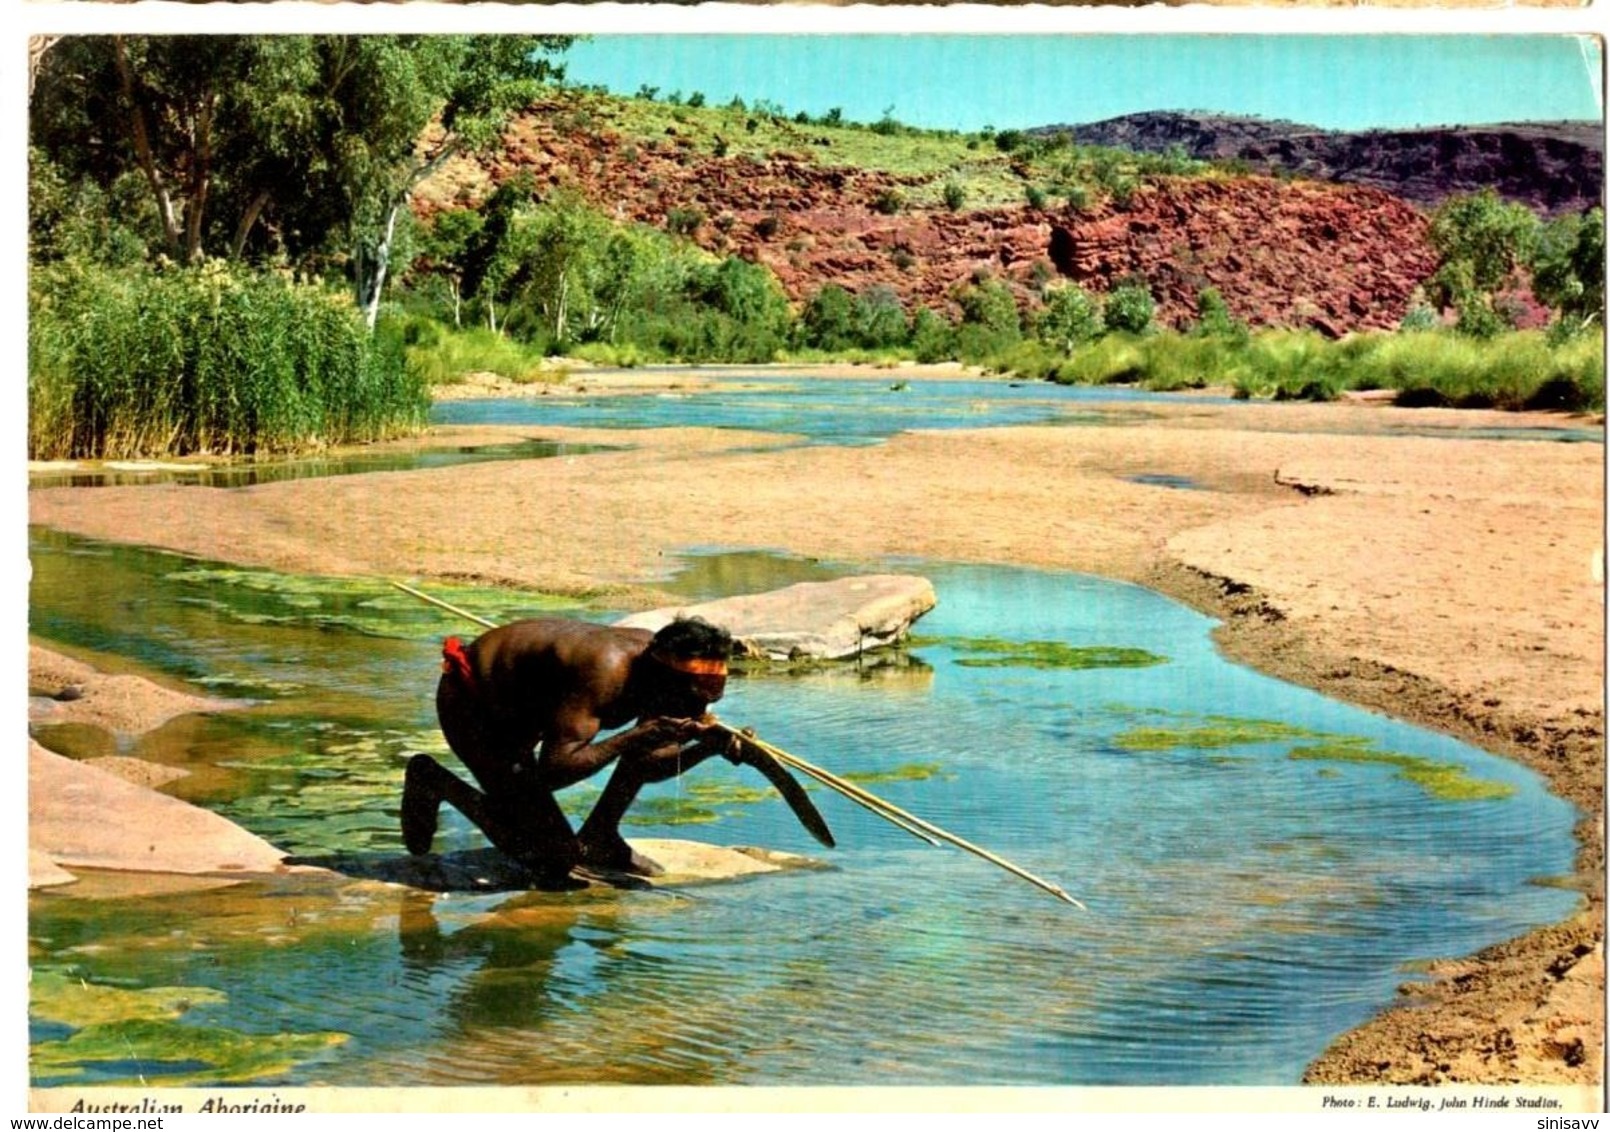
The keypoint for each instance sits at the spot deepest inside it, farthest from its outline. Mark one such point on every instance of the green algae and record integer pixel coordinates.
(1211, 733)
(364, 606)
(1001, 653)
(57, 996)
(669, 810)
(127, 1035)
(146, 1051)
(905, 772)
(1445, 781)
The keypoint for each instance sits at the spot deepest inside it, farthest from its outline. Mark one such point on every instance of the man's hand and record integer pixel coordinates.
(660, 747)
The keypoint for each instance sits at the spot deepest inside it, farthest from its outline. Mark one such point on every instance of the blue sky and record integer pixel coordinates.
(969, 81)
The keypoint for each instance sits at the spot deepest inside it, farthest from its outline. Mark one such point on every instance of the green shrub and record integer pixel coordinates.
(1070, 317)
(953, 195)
(932, 337)
(889, 201)
(1130, 308)
(683, 221)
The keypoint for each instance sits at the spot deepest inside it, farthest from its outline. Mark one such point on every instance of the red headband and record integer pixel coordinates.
(695, 666)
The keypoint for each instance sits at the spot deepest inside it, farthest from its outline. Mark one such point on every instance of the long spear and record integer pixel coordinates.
(883, 808)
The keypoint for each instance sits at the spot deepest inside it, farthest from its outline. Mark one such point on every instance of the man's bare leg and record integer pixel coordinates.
(530, 828)
(600, 840)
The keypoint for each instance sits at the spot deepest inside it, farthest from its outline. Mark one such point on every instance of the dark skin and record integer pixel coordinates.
(526, 725)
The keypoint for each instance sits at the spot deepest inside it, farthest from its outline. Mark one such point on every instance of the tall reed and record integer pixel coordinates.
(147, 362)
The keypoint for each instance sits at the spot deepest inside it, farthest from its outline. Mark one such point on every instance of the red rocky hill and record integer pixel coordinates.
(1551, 167)
(1335, 257)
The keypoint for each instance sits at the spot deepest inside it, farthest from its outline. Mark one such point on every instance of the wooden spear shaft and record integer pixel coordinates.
(896, 814)
(910, 822)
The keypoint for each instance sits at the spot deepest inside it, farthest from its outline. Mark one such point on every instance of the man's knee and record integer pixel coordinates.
(422, 770)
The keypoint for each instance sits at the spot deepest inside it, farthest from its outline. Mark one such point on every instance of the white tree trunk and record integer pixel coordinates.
(372, 275)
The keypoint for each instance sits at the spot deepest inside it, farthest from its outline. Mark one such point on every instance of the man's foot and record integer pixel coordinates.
(549, 881)
(614, 855)
(418, 811)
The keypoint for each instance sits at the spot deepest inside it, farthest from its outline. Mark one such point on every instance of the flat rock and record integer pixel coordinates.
(45, 873)
(64, 690)
(82, 816)
(811, 620)
(488, 870)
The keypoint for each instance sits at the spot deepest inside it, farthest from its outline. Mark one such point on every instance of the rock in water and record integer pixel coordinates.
(811, 620)
(83, 816)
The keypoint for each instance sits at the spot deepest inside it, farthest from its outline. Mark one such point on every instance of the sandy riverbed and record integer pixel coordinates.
(1457, 583)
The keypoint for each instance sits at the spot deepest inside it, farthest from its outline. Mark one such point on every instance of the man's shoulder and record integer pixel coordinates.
(570, 643)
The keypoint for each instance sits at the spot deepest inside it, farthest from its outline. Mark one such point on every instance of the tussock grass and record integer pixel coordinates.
(445, 357)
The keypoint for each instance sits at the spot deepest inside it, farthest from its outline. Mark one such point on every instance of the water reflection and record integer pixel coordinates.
(271, 470)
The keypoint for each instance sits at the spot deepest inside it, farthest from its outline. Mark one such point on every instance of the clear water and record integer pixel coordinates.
(822, 411)
(869, 410)
(1245, 906)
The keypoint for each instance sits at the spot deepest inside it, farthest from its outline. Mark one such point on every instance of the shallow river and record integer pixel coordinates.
(1262, 866)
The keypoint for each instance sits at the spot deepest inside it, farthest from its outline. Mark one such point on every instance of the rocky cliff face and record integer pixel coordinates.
(1551, 167)
(1336, 257)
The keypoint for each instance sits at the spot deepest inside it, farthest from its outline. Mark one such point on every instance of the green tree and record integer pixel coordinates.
(1568, 266)
(203, 121)
(1482, 243)
(328, 135)
(990, 321)
(1070, 318)
(1130, 307)
(828, 320)
(932, 338)
(880, 318)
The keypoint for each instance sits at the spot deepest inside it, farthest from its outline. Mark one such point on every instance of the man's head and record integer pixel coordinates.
(693, 653)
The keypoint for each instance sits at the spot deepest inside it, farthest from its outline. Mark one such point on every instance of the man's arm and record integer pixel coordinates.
(569, 755)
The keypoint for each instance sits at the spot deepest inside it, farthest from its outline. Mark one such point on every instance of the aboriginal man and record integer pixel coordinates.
(522, 705)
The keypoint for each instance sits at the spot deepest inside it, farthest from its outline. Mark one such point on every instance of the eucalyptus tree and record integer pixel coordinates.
(305, 147)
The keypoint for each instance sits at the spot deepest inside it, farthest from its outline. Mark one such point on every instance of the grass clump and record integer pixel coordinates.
(448, 356)
(1527, 369)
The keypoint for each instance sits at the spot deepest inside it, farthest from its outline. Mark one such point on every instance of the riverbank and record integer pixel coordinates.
(1453, 581)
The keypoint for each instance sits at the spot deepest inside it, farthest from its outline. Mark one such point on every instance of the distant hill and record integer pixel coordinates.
(1552, 167)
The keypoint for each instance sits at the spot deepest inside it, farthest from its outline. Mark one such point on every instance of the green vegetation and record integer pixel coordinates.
(905, 772)
(1530, 369)
(134, 361)
(439, 356)
(123, 1036)
(155, 160)
(1210, 733)
(1000, 653)
(1447, 782)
